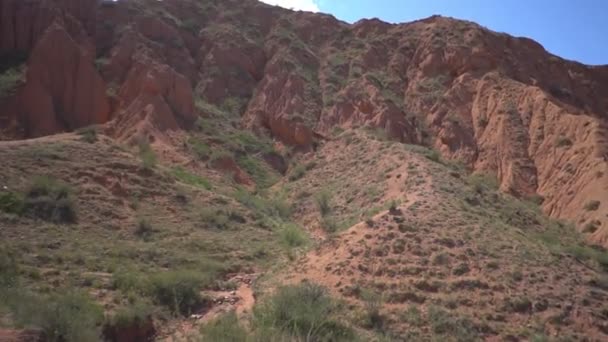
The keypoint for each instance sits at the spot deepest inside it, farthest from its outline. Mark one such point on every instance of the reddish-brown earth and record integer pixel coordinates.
(190, 77)
(500, 104)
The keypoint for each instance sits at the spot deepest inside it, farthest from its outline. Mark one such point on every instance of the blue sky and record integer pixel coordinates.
(573, 29)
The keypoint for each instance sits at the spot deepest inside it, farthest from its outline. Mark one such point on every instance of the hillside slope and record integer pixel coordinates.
(166, 162)
(500, 104)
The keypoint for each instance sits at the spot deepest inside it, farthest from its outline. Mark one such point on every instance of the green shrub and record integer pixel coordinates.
(297, 172)
(292, 236)
(215, 218)
(592, 205)
(10, 81)
(249, 142)
(373, 303)
(88, 134)
(329, 224)
(132, 315)
(303, 312)
(147, 155)
(179, 291)
(200, 149)
(483, 183)
(189, 178)
(69, 317)
(445, 324)
(144, 229)
(274, 207)
(258, 170)
(225, 328)
(433, 156)
(50, 200)
(11, 203)
(323, 200)
(129, 281)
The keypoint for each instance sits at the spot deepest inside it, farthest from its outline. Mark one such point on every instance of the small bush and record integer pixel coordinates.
(88, 134)
(329, 224)
(147, 155)
(433, 156)
(297, 173)
(482, 183)
(260, 173)
(215, 218)
(225, 328)
(304, 312)
(178, 291)
(70, 317)
(144, 229)
(592, 205)
(132, 315)
(323, 200)
(373, 303)
(445, 324)
(129, 281)
(292, 236)
(50, 200)
(11, 203)
(10, 81)
(200, 149)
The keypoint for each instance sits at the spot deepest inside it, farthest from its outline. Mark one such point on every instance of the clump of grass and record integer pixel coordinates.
(297, 172)
(483, 183)
(50, 200)
(132, 315)
(189, 178)
(70, 317)
(88, 134)
(11, 202)
(302, 312)
(215, 218)
(292, 236)
(444, 323)
(199, 148)
(147, 155)
(323, 200)
(373, 318)
(144, 229)
(225, 328)
(179, 291)
(260, 173)
(10, 80)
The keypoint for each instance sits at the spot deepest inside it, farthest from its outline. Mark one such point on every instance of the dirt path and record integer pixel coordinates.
(240, 301)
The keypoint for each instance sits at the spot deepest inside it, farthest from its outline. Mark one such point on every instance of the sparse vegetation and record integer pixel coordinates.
(179, 291)
(88, 134)
(10, 80)
(225, 328)
(292, 236)
(189, 178)
(70, 316)
(301, 312)
(323, 200)
(147, 155)
(50, 200)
